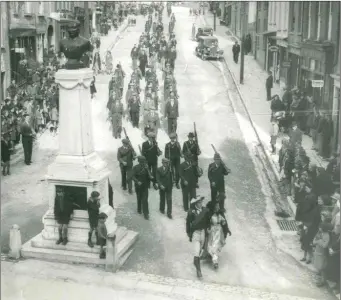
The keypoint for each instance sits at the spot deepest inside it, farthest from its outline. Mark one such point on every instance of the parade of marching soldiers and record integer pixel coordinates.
(154, 50)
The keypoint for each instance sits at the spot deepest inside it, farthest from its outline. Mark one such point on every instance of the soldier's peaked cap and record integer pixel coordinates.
(197, 199)
(217, 156)
(125, 141)
(172, 135)
(191, 134)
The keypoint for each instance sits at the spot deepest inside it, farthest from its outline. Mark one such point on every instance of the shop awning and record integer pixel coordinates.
(21, 31)
(268, 32)
(61, 18)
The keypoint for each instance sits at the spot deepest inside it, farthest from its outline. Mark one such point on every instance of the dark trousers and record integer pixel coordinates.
(195, 160)
(268, 94)
(172, 125)
(152, 168)
(135, 118)
(175, 164)
(126, 177)
(27, 143)
(142, 199)
(188, 192)
(166, 197)
(143, 68)
(235, 57)
(214, 193)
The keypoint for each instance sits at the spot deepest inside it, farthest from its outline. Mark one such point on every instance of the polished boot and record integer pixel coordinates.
(65, 241)
(90, 244)
(197, 266)
(60, 240)
(97, 239)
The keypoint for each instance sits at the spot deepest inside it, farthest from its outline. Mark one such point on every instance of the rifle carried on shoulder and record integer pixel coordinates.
(146, 166)
(224, 165)
(196, 138)
(130, 145)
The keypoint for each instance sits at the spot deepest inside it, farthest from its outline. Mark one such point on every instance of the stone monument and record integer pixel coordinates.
(78, 169)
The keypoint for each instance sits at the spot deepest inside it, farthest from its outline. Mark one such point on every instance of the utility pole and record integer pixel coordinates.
(241, 79)
(86, 20)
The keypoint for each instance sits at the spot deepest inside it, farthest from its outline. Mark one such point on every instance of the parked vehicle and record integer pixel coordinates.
(208, 48)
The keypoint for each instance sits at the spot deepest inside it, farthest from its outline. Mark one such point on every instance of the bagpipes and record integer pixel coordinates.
(224, 165)
(130, 145)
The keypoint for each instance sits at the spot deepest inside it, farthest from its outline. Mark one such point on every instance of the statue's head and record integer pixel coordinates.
(73, 28)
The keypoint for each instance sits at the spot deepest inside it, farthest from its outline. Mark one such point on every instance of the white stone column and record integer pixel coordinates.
(75, 138)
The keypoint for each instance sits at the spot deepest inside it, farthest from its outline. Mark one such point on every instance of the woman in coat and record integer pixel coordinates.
(108, 62)
(217, 232)
(96, 66)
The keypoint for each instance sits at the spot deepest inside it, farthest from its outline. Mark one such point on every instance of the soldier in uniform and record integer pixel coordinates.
(134, 54)
(151, 151)
(134, 111)
(191, 146)
(172, 114)
(165, 182)
(173, 153)
(125, 156)
(188, 175)
(172, 57)
(197, 222)
(216, 173)
(142, 177)
(116, 118)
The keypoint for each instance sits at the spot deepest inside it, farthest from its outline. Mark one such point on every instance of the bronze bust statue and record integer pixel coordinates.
(74, 47)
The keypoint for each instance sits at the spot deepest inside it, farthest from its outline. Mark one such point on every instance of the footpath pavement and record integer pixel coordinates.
(253, 94)
(39, 280)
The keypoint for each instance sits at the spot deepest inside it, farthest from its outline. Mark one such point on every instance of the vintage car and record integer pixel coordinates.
(208, 48)
(204, 31)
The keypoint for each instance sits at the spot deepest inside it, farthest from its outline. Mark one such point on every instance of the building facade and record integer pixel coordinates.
(5, 50)
(261, 43)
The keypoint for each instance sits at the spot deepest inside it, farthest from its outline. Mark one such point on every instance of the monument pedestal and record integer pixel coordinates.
(79, 170)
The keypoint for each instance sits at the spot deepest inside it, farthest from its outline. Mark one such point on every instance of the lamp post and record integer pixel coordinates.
(214, 19)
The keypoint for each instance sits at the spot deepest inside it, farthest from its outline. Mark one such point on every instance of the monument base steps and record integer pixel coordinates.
(79, 253)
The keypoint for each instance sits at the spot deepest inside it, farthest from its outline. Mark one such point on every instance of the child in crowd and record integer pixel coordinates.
(6, 149)
(93, 212)
(102, 234)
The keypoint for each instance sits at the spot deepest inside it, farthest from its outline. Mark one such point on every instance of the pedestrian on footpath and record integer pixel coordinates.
(274, 129)
(6, 149)
(235, 52)
(165, 183)
(125, 156)
(142, 177)
(63, 213)
(27, 135)
(93, 212)
(269, 85)
(196, 224)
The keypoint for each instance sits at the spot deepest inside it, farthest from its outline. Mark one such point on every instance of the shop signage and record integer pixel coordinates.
(317, 83)
(286, 64)
(273, 48)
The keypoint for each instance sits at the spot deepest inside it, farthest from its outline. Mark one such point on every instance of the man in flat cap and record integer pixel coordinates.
(27, 135)
(173, 153)
(165, 182)
(151, 151)
(197, 222)
(191, 147)
(172, 114)
(188, 175)
(142, 177)
(216, 173)
(125, 156)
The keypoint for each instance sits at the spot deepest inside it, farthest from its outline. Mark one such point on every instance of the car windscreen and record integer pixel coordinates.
(210, 42)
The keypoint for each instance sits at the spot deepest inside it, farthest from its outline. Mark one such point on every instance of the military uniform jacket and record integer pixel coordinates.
(150, 151)
(172, 111)
(216, 174)
(134, 106)
(125, 154)
(173, 151)
(164, 177)
(189, 173)
(190, 147)
(152, 121)
(197, 220)
(140, 174)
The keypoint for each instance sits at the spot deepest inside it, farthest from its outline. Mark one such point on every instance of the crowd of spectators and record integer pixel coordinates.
(315, 190)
